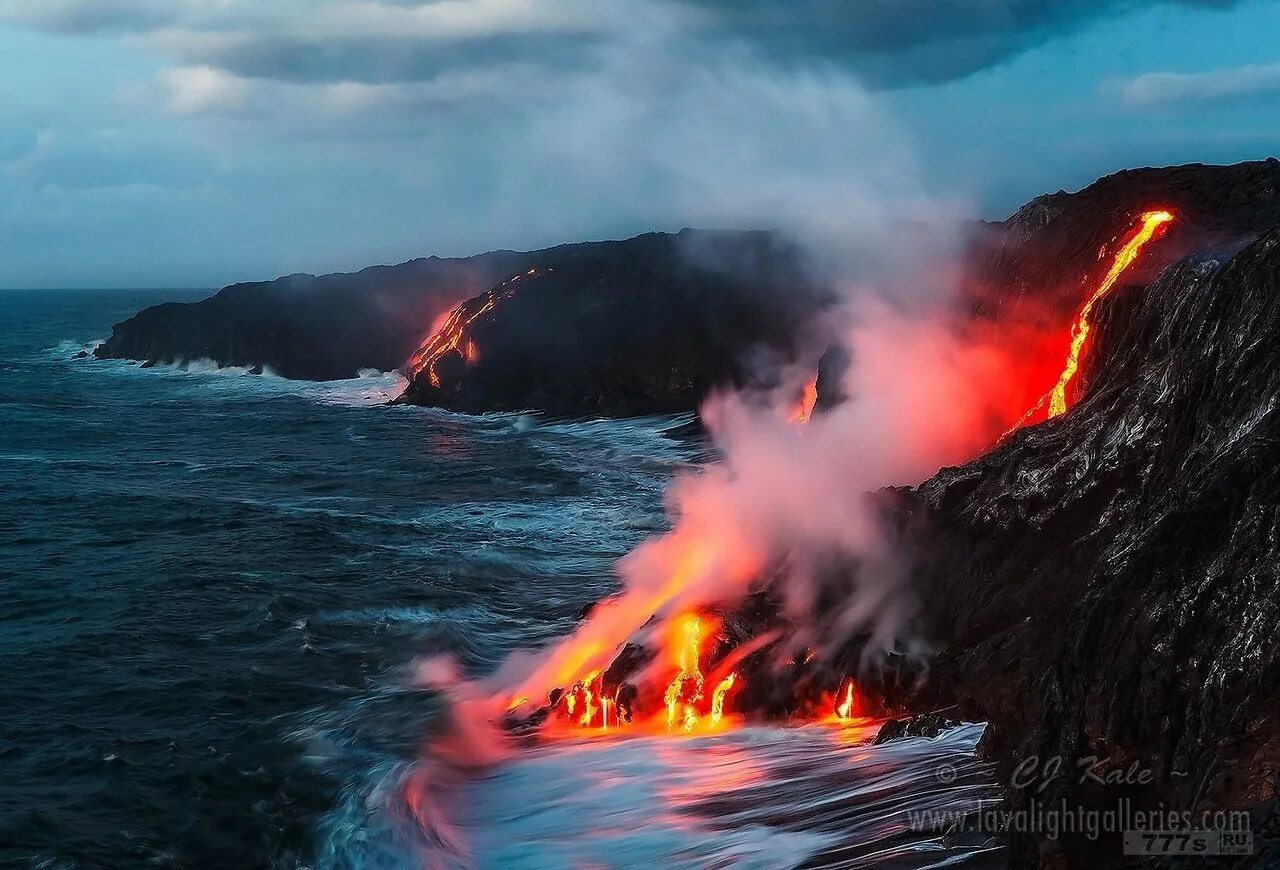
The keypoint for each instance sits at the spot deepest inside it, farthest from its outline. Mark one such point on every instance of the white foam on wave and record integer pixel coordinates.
(756, 797)
(68, 348)
(370, 387)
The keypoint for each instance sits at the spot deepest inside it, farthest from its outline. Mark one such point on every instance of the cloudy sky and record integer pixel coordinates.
(198, 142)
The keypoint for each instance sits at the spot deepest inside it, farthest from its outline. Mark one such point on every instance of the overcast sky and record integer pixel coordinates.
(194, 143)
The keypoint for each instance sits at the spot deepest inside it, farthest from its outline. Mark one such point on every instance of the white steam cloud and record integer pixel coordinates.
(728, 141)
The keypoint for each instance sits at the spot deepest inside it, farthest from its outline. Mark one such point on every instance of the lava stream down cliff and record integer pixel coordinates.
(1152, 223)
(454, 334)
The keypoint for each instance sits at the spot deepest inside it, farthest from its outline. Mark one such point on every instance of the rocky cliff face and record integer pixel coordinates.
(642, 326)
(304, 326)
(649, 325)
(1033, 263)
(1105, 584)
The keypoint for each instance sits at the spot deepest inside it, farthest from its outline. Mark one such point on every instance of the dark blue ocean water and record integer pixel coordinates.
(216, 586)
(200, 566)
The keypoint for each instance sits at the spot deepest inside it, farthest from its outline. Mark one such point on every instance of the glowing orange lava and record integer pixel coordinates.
(803, 409)
(686, 689)
(689, 704)
(845, 709)
(1056, 399)
(452, 337)
(717, 698)
(1151, 222)
(588, 698)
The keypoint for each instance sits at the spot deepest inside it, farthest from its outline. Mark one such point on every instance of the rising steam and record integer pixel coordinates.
(725, 139)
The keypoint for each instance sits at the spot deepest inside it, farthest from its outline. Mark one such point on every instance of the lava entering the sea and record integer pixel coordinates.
(689, 704)
(1056, 399)
(452, 336)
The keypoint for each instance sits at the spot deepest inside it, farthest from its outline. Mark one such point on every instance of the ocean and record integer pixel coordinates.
(218, 587)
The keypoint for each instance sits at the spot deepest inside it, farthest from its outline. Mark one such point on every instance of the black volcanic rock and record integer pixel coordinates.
(304, 326)
(648, 325)
(928, 725)
(640, 326)
(1034, 262)
(1107, 584)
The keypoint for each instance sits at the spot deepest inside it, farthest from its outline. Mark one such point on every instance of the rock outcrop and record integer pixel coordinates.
(644, 326)
(1104, 585)
(303, 326)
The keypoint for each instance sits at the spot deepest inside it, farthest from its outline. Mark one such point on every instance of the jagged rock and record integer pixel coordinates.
(928, 725)
(83, 354)
(1105, 585)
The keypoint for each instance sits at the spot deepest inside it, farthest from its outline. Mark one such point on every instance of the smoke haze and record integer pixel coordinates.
(729, 140)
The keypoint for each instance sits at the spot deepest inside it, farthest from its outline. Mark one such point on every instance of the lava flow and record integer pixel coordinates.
(452, 337)
(845, 709)
(1056, 399)
(803, 408)
(688, 704)
(685, 691)
(1151, 222)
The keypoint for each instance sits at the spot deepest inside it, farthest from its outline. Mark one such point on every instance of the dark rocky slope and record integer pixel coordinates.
(304, 326)
(1108, 583)
(645, 326)
(1032, 264)
(640, 326)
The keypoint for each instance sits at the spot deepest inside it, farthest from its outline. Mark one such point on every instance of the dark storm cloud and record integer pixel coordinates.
(80, 17)
(894, 42)
(886, 42)
(379, 59)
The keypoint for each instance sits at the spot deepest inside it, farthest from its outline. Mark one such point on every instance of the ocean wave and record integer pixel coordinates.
(756, 797)
(370, 387)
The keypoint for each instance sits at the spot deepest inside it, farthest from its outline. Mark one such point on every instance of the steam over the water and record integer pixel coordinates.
(813, 155)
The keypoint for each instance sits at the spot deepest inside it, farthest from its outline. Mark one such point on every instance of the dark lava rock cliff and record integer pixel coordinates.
(1034, 262)
(644, 326)
(303, 326)
(1106, 585)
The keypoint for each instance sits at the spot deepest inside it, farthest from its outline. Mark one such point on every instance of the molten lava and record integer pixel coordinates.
(717, 698)
(686, 689)
(846, 707)
(689, 703)
(452, 335)
(588, 707)
(1056, 399)
(1151, 222)
(803, 408)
